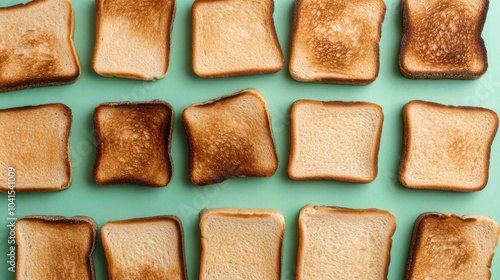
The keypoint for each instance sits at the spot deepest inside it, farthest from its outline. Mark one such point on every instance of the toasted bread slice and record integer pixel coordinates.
(55, 247)
(145, 248)
(230, 137)
(241, 244)
(336, 41)
(234, 37)
(442, 39)
(133, 38)
(133, 142)
(446, 246)
(446, 147)
(35, 142)
(335, 140)
(342, 243)
(37, 47)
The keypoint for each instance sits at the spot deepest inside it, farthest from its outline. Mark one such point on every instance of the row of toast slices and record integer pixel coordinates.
(444, 147)
(334, 243)
(333, 41)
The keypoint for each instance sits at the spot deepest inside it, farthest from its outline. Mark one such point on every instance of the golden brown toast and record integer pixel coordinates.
(37, 46)
(442, 39)
(133, 142)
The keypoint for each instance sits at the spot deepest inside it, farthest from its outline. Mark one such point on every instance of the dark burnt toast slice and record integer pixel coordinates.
(230, 137)
(133, 142)
(442, 39)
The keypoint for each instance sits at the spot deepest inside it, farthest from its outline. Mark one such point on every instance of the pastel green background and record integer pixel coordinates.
(181, 87)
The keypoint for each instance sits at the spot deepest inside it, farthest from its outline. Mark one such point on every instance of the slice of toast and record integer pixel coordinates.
(342, 243)
(55, 247)
(446, 246)
(241, 244)
(145, 248)
(37, 47)
(133, 38)
(336, 41)
(234, 37)
(335, 140)
(133, 141)
(442, 39)
(35, 144)
(230, 137)
(446, 147)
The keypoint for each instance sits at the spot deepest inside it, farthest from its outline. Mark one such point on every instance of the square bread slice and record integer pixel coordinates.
(442, 39)
(145, 248)
(55, 247)
(37, 47)
(335, 140)
(336, 41)
(34, 141)
(447, 246)
(133, 142)
(446, 147)
(133, 38)
(343, 243)
(234, 37)
(241, 244)
(230, 137)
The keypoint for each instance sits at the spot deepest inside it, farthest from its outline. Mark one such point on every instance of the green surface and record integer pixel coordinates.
(181, 88)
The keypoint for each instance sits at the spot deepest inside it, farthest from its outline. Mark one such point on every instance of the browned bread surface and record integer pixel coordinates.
(55, 247)
(230, 137)
(336, 41)
(234, 37)
(442, 39)
(145, 248)
(35, 142)
(447, 246)
(446, 147)
(133, 38)
(37, 46)
(133, 142)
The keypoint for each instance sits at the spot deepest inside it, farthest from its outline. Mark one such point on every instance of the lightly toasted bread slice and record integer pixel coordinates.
(336, 41)
(55, 247)
(442, 39)
(35, 143)
(234, 38)
(241, 244)
(145, 248)
(133, 141)
(446, 147)
(447, 246)
(133, 38)
(37, 46)
(230, 137)
(335, 140)
(343, 243)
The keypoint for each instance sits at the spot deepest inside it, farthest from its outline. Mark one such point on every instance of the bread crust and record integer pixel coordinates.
(56, 79)
(407, 144)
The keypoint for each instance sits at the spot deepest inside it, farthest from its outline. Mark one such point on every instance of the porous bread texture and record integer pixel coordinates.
(133, 141)
(35, 142)
(241, 244)
(145, 248)
(234, 37)
(230, 137)
(447, 246)
(446, 147)
(336, 41)
(342, 243)
(37, 47)
(133, 38)
(54, 247)
(335, 140)
(442, 39)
